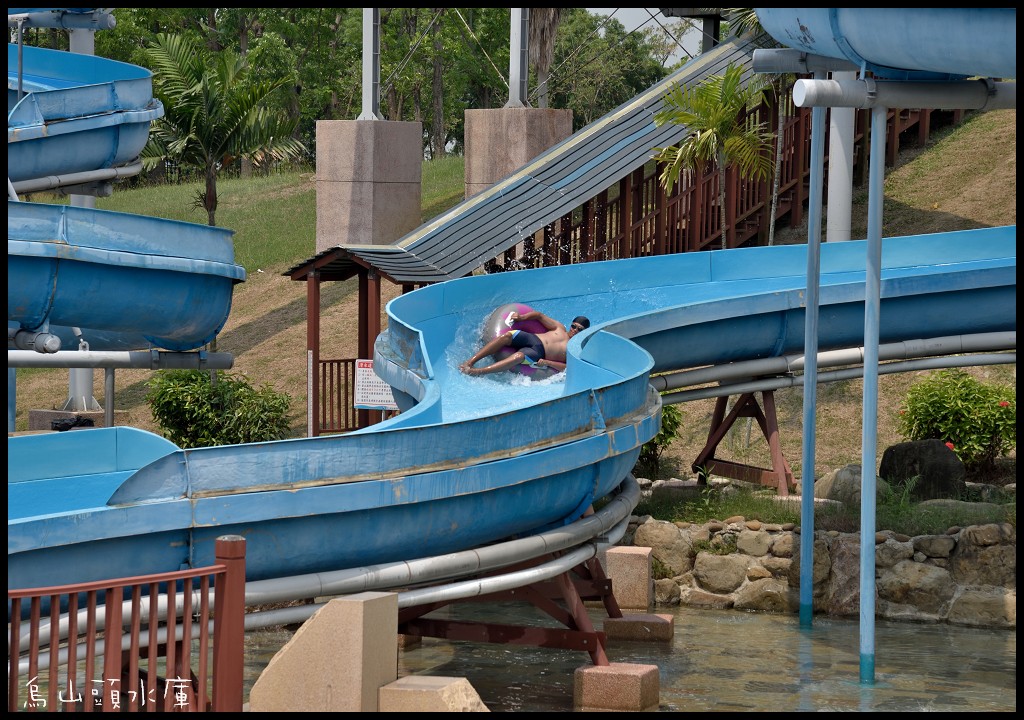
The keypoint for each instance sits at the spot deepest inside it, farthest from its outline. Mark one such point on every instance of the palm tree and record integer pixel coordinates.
(746, 21)
(719, 132)
(542, 28)
(212, 114)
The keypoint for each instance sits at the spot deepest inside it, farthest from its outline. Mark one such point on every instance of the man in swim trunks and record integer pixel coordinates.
(546, 349)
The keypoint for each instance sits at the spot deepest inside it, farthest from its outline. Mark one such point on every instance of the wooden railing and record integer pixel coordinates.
(136, 644)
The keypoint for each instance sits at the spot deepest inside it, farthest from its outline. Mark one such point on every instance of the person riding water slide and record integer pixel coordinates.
(546, 349)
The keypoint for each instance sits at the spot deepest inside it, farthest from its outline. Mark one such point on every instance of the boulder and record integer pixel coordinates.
(929, 468)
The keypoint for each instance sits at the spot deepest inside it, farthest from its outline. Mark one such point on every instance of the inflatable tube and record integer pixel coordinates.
(500, 322)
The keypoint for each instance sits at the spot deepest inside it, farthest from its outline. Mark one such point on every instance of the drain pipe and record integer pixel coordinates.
(925, 347)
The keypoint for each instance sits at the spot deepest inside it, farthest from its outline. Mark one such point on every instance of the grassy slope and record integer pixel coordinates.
(964, 179)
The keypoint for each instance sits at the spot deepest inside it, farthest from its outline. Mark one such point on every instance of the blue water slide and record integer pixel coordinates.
(71, 113)
(72, 118)
(904, 43)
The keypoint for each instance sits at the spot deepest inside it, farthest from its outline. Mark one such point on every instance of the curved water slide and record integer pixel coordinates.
(473, 461)
(78, 122)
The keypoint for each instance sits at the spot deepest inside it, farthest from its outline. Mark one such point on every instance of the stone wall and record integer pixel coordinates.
(965, 577)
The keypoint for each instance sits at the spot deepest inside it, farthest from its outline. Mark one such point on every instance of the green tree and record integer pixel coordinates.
(599, 66)
(213, 114)
(746, 21)
(719, 132)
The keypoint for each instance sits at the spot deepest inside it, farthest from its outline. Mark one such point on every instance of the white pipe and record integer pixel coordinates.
(839, 205)
(965, 94)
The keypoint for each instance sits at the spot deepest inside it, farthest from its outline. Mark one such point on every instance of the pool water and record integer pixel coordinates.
(727, 660)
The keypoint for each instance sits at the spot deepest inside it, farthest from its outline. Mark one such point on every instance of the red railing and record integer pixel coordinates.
(171, 651)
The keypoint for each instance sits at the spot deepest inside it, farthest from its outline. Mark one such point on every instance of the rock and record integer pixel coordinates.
(843, 485)
(927, 468)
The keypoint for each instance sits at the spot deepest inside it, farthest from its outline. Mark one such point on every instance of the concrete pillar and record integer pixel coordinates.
(368, 181)
(622, 687)
(630, 571)
(501, 141)
(422, 693)
(337, 661)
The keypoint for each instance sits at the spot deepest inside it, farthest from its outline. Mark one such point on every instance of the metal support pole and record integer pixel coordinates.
(811, 369)
(519, 58)
(869, 421)
(371, 65)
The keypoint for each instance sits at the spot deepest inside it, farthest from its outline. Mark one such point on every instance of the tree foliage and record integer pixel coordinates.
(214, 113)
(719, 132)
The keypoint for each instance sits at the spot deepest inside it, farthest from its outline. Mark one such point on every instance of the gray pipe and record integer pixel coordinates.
(51, 182)
(837, 375)
(966, 94)
(924, 347)
(783, 61)
(139, 359)
(453, 565)
(97, 20)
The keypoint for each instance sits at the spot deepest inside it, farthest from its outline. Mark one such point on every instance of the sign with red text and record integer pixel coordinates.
(372, 393)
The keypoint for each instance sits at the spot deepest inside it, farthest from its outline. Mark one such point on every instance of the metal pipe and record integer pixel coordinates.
(453, 565)
(837, 375)
(965, 94)
(96, 20)
(140, 359)
(34, 344)
(783, 364)
(51, 182)
(784, 61)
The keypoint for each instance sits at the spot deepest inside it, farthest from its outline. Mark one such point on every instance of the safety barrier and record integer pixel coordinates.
(171, 651)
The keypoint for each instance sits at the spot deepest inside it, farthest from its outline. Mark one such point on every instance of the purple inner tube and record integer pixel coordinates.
(499, 322)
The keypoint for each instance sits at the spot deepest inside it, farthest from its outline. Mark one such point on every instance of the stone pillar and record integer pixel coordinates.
(630, 571)
(337, 661)
(368, 181)
(499, 142)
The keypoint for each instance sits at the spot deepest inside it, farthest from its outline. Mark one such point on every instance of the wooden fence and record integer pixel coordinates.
(171, 651)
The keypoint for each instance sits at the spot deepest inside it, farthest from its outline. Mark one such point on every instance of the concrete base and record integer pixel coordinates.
(500, 141)
(642, 626)
(42, 419)
(421, 693)
(629, 569)
(368, 181)
(336, 662)
(621, 687)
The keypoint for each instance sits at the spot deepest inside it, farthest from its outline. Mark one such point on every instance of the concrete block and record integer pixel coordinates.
(641, 626)
(622, 687)
(502, 140)
(336, 661)
(424, 693)
(629, 569)
(368, 180)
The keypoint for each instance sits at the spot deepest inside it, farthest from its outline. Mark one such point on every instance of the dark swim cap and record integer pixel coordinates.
(581, 320)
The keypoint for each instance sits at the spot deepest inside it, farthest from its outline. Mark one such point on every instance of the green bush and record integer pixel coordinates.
(977, 419)
(650, 454)
(193, 412)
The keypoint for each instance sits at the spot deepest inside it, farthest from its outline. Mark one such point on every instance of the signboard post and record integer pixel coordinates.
(372, 393)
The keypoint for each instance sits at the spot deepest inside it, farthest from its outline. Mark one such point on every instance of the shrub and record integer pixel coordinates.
(193, 412)
(650, 454)
(978, 420)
